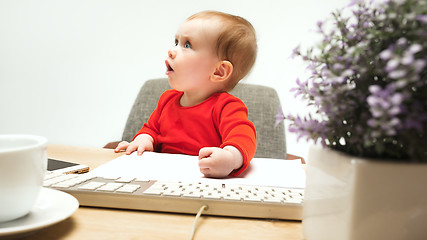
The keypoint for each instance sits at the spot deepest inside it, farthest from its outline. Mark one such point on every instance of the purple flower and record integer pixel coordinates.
(366, 24)
(419, 65)
(375, 89)
(337, 66)
(319, 25)
(408, 59)
(295, 51)
(386, 54)
(402, 41)
(414, 48)
(396, 98)
(353, 2)
(392, 65)
(422, 18)
(396, 74)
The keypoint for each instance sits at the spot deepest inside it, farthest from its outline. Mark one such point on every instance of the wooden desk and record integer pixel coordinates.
(100, 223)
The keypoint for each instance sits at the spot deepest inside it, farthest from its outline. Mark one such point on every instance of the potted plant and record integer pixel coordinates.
(368, 89)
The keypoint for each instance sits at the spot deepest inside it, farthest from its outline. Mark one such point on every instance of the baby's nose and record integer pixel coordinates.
(172, 53)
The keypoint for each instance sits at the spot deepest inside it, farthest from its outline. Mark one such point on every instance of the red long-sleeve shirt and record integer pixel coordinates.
(219, 121)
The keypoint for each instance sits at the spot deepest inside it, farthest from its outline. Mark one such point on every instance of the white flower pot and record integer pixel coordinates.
(350, 198)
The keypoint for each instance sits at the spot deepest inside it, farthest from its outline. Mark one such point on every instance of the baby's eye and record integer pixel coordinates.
(176, 42)
(187, 45)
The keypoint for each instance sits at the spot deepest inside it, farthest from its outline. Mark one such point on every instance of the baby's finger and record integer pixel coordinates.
(141, 149)
(131, 148)
(205, 171)
(205, 163)
(205, 152)
(122, 145)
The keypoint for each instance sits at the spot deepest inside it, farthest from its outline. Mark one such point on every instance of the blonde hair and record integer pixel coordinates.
(236, 43)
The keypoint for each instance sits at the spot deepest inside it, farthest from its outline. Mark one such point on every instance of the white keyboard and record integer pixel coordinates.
(181, 197)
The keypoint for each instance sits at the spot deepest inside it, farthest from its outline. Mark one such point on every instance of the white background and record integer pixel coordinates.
(70, 70)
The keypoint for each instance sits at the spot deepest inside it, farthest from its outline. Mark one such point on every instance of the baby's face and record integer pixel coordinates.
(193, 58)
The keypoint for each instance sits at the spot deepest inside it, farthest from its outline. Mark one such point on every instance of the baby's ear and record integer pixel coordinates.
(223, 71)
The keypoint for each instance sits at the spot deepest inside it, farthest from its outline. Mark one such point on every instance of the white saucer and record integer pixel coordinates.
(52, 206)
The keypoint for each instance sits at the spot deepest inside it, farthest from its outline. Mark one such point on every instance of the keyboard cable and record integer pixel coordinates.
(193, 229)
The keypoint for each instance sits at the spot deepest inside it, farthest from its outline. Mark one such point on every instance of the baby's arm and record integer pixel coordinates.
(219, 162)
(141, 143)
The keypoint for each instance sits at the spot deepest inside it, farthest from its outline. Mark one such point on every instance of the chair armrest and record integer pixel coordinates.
(112, 145)
(293, 157)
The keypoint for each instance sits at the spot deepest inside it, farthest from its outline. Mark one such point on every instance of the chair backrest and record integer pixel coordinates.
(262, 102)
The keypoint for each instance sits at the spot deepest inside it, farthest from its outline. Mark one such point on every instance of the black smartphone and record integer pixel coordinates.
(60, 166)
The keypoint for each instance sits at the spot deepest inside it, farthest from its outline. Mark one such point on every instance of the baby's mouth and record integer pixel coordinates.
(168, 67)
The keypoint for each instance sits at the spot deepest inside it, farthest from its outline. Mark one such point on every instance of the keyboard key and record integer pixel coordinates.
(58, 179)
(50, 175)
(272, 200)
(192, 194)
(125, 179)
(232, 197)
(252, 198)
(128, 188)
(153, 191)
(212, 196)
(92, 185)
(172, 193)
(110, 187)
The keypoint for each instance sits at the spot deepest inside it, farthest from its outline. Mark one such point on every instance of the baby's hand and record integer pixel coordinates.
(141, 143)
(219, 162)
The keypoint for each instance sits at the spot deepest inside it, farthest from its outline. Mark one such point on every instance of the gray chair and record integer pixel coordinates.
(262, 102)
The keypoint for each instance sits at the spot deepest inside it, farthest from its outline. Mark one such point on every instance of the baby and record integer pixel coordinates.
(213, 51)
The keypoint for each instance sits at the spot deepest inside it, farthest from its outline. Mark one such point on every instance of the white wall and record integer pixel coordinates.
(70, 70)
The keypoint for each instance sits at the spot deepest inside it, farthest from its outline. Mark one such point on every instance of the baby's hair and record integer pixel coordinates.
(236, 43)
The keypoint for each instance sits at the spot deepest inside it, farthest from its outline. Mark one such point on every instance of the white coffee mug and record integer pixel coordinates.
(23, 163)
